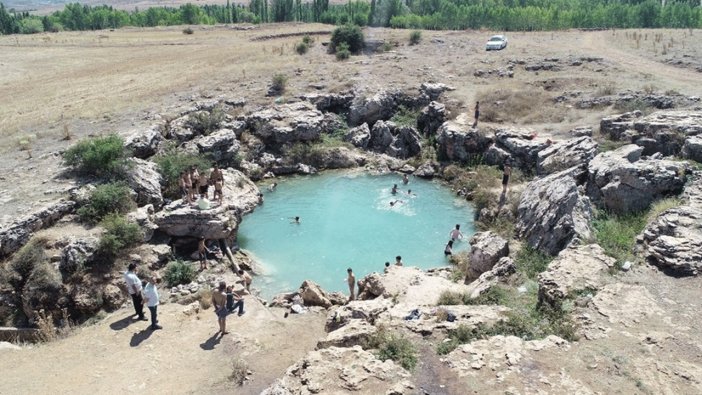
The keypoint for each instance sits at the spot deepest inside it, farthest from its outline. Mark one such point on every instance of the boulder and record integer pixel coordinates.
(576, 269)
(292, 122)
(458, 144)
(178, 129)
(381, 136)
(616, 126)
(355, 333)
(331, 102)
(339, 158)
(336, 370)
(486, 249)
(432, 319)
(501, 271)
(381, 106)
(370, 286)
(673, 241)
(241, 196)
(431, 118)
(622, 182)
(221, 145)
(433, 90)
(358, 136)
(553, 214)
(144, 217)
(17, 234)
(428, 169)
(581, 131)
(77, 254)
(522, 146)
(87, 299)
(313, 295)
(368, 310)
(144, 143)
(396, 141)
(566, 154)
(144, 179)
(692, 149)
(113, 297)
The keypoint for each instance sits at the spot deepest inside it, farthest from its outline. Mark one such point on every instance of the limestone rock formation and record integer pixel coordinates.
(313, 295)
(432, 319)
(338, 158)
(367, 310)
(337, 370)
(552, 213)
(433, 90)
(381, 106)
(692, 148)
(77, 254)
(396, 141)
(16, 235)
(501, 271)
(356, 333)
(574, 270)
(370, 286)
(359, 136)
(331, 102)
(521, 145)
(144, 178)
(431, 118)
(622, 182)
(427, 169)
(144, 217)
(673, 241)
(144, 143)
(291, 122)
(221, 145)
(566, 154)
(486, 249)
(241, 195)
(459, 144)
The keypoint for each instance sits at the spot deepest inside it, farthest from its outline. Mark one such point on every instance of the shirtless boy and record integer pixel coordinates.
(351, 279)
(456, 233)
(202, 253)
(246, 279)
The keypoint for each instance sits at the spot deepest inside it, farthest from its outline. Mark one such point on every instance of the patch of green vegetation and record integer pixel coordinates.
(405, 116)
(609, 145)
(496, 295)
(279, 82)
(351, 35)
(99, 156)
(106, 199)
(119, 235)
(342, 51)
(616, 234)
(415, 37)
(178, 272)
(660, 206)
(172, 163)
(530, 262)
(206, 122)
(399, 349)
(302, 48)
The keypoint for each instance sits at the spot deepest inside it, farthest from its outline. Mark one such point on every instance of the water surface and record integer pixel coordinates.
(346, 220)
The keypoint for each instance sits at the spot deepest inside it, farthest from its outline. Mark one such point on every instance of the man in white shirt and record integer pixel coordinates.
(151, 296)
(134, 289)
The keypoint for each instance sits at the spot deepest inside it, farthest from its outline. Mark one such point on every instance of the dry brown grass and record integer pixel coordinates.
(519, 105)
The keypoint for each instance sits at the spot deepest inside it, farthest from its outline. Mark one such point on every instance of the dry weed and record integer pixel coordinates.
(518, 106)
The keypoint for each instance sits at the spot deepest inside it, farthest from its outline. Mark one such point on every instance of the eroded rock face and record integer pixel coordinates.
(381, 106)
(622, 182)
(339, 158)
(313, 295)
(144, 217)
(431, 118)
(692, 149)
(457, 143)
(291, 122)
(553, 214)
(337, 370)
(359, 136)
(144, 143)
(566, 154)
(331, 102)
(521, 145)
(355, 333)
(501, 271)
(396, 141)
(486, 249)
(370, 286)
(574, 270)
(222, 145)
(77, 254)
(367, 310)
(241, 195)
(144, 179)
(429, 322)
(673, 241)
(19, 232)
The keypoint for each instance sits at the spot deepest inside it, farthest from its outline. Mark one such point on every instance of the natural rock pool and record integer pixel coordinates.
(346, 220)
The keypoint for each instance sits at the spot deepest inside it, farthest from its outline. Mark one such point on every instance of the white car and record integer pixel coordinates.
(496, 43)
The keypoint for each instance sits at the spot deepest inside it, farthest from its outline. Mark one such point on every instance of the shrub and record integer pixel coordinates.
(205, 122)
(178, 272)
(240, 370)
(495, 295)
(449, 298)
(279, 81)
(172, 162)
(307, 39)
(343, 52)
(100, 156)
(531, 262)
(387, 46)
(31, 26)
(119, 234)
(351, 35)
(188, 30)
(415, 37)
(400, 350)
(301, 48)
(106, 199)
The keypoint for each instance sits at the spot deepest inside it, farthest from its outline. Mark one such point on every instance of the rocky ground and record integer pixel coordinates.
(587, 125)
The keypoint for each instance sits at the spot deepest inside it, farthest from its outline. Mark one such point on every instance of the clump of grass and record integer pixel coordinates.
(240, 371)
(188, 30)
(307, 39)
(387, 46)
(405, 116)
(106, 199)
(616, 234)
(179, 272)
(279, 82)
(342, 52)
(660, 206)
(530, 262)
(606, 90)
(302, 48)
(496, 295)
(415, 37)
(399, 349)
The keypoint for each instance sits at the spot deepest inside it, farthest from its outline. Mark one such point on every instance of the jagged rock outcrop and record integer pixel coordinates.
(433, 90)
(331, 102)
(313, 295)
(460, 144)
(661, 131)
(433, 319)
(692, 148)
(144, 143)
(144, 179)
(575, 270)
(553, 214)
(396, 141)
(241, 195)
(367, 310)
(370, 286)
(221, 145)
(431, 118)
(144, 217)
(381, 106)
(486, 249)
(355, 333)
(520, 144)
(337, 370)
(359, 136)
(427, 169)
(338, 158)
(16, 235)
(623, 182)
(673, 241)
(77, 254)
(499, 272)
(287, 123)
(566, 154)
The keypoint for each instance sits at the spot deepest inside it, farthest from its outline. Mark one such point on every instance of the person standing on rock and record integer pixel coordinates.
(194, 176)
(203, 183)
(184, 183)
(151, 296)
(351, 279)
(215, 177)
(134, 289)
(202, 253)
(506, 172)
(219, 301)
(477, 114)
(398, 261)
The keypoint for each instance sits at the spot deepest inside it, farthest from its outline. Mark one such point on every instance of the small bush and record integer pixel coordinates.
(351, 35)
(31, 26)
(240, 370)
(449, 298)
(495, 295)
(400, 350)
(387, 46)
(301, 48)
(188, 30)
(279, 81)
(531, 262)
(342, 52)
(106, 199)
(119, 235)
(205, 122)
(606, 90)
(100, 156)
(415, 37)
(307, 39)
(179, 272)
(405, 116)
(172, 162)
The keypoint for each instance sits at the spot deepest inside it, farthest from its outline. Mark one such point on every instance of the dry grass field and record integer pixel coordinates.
(75, 84)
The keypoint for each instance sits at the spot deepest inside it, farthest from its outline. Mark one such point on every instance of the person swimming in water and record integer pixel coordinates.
(456, 233)
(272, 187)
(409, 193)
(393, 203)
(394, 189)
(295, 220)
(405, 179)
(448, 250)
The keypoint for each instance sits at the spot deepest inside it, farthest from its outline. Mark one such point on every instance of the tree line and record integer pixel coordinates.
(507, 15)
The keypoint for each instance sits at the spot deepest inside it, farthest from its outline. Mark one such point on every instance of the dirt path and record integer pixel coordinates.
(119, 355)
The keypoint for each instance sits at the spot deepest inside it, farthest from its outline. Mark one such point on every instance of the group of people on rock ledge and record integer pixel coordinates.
(195, 185)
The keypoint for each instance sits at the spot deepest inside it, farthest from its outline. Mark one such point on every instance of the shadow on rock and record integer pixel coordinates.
(121, 324)
(210, 343)
(138, 338)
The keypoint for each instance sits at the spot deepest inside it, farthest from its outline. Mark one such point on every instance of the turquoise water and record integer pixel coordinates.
(346, 221)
